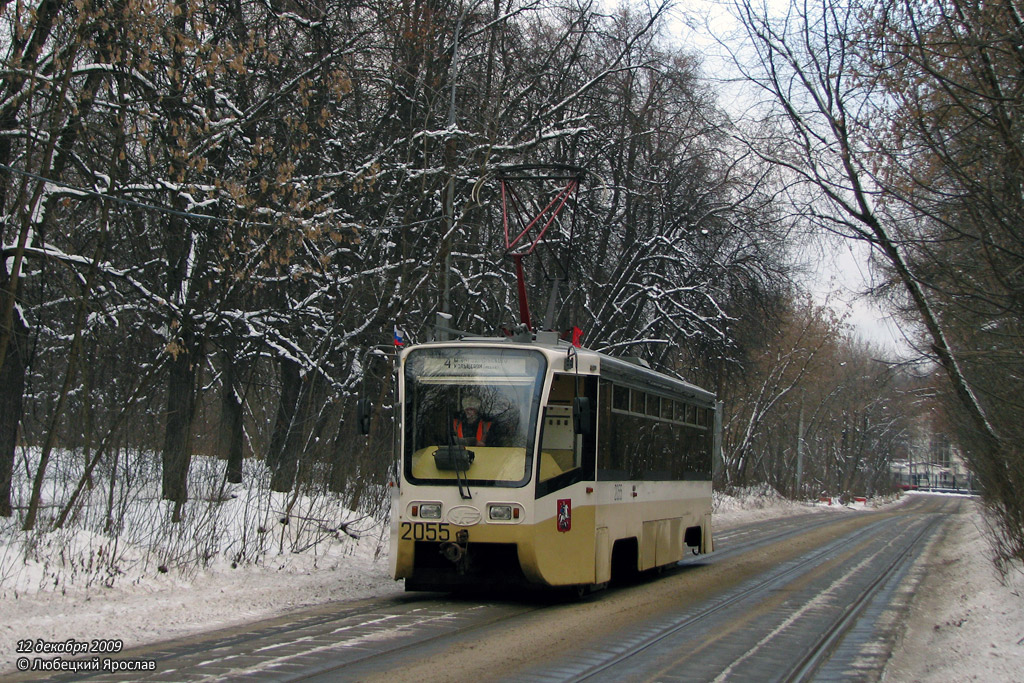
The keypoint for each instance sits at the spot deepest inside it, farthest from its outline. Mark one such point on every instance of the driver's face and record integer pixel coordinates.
(471, 413)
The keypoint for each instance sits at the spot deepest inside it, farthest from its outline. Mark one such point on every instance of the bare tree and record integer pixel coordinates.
(817, 66)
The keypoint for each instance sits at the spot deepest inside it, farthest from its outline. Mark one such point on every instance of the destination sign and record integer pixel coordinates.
(476, 364)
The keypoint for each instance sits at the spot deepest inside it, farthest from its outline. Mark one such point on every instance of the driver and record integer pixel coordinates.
(470, 428)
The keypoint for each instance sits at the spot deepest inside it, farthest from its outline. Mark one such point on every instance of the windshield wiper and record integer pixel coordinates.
(463, 474)
(457, 458)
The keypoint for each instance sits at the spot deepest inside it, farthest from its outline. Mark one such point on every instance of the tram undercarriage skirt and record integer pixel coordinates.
(483, 565)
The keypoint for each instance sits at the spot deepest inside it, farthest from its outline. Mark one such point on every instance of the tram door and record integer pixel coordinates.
(563, 549)
(568, 446)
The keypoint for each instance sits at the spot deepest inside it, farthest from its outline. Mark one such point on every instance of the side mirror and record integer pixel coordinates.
(364, 409)
(581, 422)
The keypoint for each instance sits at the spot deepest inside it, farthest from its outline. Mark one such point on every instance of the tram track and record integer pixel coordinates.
(594, 662)
(748, 537)
(374, 639)
(823, 648)
(769, 534)
(413, 647)
(743, 657)
(318, 643)
(746, 593)
(423, 633)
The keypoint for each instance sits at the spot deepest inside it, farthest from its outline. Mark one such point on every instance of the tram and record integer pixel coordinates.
(536, 463)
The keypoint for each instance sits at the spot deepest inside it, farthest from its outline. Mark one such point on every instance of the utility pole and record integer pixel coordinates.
(800, 448)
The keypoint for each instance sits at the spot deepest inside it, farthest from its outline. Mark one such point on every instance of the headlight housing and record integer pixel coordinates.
(500, 513)
(504, 513)
(430, 511)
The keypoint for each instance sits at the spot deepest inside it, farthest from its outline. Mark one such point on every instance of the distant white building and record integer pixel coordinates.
(934, 463)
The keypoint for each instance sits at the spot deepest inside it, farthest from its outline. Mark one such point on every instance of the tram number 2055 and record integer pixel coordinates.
(425, 531)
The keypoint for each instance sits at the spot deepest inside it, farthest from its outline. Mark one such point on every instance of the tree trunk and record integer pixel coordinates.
(232, 432)
(177, 454)
(286, 439)
(12, 387)
(341, 459)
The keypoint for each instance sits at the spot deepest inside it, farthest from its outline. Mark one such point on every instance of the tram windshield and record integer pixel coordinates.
(470, 414)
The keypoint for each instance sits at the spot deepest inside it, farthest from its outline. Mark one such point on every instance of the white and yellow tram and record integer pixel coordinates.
(579, 464)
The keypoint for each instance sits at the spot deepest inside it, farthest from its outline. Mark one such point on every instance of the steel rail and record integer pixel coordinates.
(823, 648)
(812, 559)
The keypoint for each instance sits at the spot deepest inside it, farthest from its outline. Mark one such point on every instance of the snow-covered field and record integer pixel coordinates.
(965, 624)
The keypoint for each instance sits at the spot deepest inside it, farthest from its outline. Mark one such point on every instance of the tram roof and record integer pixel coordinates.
(628, 372)
(638, 376)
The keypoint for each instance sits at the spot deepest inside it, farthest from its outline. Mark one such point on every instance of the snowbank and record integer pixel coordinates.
(966, 622)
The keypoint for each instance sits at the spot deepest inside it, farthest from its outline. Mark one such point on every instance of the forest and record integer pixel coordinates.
(217, 215)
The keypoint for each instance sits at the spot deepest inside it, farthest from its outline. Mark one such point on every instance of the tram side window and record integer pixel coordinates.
(636, 402)
(610, 464)
(560, 448)
(666, 408)
(653, 405)
(621, 396)
(655, 438)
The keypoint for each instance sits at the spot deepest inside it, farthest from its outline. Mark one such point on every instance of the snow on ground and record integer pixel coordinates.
(965, 625)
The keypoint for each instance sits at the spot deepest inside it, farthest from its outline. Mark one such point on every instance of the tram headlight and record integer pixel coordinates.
(430, 511)
(501, 513)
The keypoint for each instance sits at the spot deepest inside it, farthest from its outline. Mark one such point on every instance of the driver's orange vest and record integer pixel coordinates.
(481, 429)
